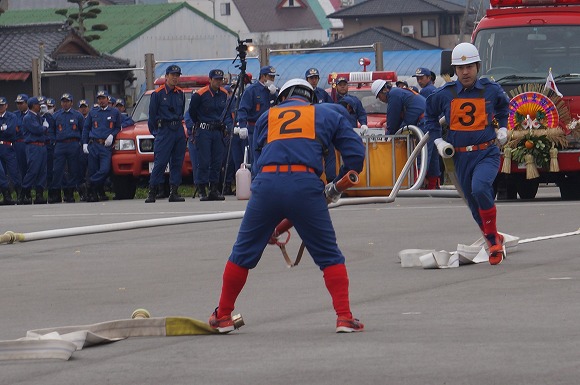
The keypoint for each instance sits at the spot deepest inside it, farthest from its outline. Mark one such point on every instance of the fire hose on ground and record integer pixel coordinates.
(11, 237)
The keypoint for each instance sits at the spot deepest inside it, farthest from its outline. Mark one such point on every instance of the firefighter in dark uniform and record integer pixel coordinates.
(49, 118)
(208, 113)
(35, 136)
(469, 105)
(289, 140)
(101, 126)
(425, 80)
(257, 98)
(313, 77)
(127, 120)
(67, 136)
(8, 166)
(19, 146)
(165, 123)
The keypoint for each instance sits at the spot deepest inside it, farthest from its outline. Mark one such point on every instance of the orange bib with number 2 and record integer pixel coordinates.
(468, 115)
(290, 123)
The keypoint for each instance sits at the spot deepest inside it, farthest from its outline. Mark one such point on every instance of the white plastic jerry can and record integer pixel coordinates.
(243, 179)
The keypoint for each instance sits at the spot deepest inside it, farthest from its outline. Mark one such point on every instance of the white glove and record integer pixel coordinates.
(109, 140)
(4, 127)
(444, 148)
(86, 148)
(331, 193)
(442, 121)
(502, 136)
(243, 133)
(364, 129)
(43, 109)
(272, 89)
(45, 124)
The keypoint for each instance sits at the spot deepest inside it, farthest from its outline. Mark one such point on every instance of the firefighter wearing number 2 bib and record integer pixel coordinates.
(470, 104)
(289, 143)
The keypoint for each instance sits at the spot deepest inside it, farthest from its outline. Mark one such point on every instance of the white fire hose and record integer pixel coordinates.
(12, 237)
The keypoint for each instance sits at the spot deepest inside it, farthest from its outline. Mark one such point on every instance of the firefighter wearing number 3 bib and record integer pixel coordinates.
(470, 104)
(289, 143)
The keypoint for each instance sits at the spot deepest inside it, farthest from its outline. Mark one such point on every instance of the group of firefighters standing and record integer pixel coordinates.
(64, 150)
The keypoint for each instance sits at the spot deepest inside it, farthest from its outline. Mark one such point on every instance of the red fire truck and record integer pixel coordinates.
(519, 41)
(133, 149)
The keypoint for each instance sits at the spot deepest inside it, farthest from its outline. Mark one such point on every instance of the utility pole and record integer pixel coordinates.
(463, 25)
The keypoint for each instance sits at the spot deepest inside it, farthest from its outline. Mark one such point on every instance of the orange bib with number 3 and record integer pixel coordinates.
(468, 115)
(290, 123)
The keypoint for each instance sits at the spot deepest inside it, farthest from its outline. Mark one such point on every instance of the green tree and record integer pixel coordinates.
(87, 9)
(310, 43)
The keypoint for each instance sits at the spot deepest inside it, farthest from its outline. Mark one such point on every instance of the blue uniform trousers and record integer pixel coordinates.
(169, 147)
(230, 169)
(20, 151)
(10, 165)
(36, 167)
(297, 196)
(238, 146)
(210, 152)
(66, 156)
(433, 168)
(49, 163)
(83, 165)
(476, 172)
(250, 142)
(330, 164)
(192, 156)
(99, 163)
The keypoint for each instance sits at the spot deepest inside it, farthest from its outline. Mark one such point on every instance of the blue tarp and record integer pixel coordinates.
(404, 63)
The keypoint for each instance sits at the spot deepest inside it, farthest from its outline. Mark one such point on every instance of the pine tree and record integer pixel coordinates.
(88, 9)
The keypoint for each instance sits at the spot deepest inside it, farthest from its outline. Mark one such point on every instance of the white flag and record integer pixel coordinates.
(551, 84)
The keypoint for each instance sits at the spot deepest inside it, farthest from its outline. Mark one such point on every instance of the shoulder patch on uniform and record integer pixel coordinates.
(485, 81)
(202, 90)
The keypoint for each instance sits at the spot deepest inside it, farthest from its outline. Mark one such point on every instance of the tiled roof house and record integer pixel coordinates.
(63, 50)
(434, 22)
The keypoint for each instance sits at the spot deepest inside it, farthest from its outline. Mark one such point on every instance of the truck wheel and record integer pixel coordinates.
(570, 187)
(124, 186)
(528, 188)
(505, 187)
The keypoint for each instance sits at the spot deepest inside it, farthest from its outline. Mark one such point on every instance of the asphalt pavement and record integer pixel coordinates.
(516, 323)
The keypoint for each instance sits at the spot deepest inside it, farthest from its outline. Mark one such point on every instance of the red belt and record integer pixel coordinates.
(287, 168)
(475, 147)
(100, 141)
(6, 143)
(69, 140)
(19, 140)
(36, 143)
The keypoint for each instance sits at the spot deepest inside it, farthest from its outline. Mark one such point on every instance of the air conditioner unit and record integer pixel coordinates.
(407, 30)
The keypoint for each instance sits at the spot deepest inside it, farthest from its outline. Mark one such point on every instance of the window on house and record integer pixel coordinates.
(291, 4)
(449, 25)
(225, 9)
(428, 28)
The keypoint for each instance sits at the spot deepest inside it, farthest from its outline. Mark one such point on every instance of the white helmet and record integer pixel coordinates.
(464, 53)
(377, 86)
(297, 87)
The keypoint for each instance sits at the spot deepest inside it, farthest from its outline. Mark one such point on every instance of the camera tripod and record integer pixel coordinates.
(237, 92)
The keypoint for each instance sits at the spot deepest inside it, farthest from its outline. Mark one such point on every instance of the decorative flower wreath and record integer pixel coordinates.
(535, 133)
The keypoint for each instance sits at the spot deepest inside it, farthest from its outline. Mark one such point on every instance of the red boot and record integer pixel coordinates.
(493, 238)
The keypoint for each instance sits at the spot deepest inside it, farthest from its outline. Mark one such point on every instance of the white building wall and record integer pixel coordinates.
(183, 35)
(212, 8)
(236, 23)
